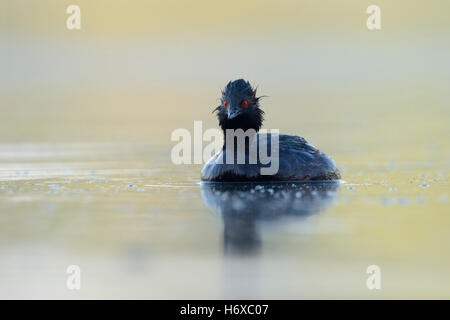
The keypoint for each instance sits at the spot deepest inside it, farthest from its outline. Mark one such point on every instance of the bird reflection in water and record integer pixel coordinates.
(245, 206)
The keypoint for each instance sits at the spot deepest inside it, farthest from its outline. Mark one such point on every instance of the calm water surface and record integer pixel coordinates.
(140, 227)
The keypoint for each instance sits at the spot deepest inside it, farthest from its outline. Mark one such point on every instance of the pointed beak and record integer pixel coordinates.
(233, 113)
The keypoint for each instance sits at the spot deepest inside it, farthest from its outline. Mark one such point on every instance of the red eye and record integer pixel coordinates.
(225, 104)
(244, 104)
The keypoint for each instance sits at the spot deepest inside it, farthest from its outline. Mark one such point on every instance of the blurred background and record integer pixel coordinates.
(85, 123)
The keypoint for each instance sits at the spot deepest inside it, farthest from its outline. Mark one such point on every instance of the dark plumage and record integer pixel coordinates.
(298, 160)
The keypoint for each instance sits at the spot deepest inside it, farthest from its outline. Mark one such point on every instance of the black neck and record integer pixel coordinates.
(244, 121)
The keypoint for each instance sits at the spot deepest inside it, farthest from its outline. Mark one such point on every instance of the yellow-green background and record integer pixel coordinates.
(85, 113)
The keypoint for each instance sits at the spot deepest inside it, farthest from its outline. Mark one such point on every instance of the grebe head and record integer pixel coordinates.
(239, 108)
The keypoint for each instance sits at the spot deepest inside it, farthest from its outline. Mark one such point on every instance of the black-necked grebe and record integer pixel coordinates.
(297, 159)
